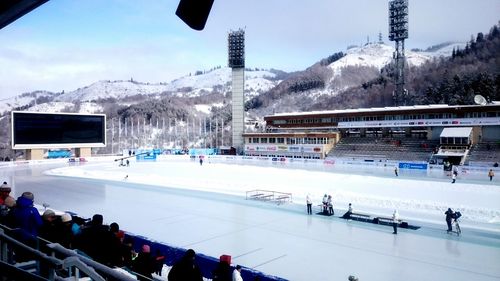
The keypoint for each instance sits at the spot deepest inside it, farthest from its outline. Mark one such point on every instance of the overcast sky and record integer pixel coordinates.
(64, 45)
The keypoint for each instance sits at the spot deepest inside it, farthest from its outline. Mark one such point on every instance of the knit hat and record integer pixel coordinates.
(120, 234)
(4, 187)
(28, 195)
(48, 213)
(66, 217)
(146, 249)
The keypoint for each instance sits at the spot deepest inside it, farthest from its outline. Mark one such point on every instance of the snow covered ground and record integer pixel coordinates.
(181, 203)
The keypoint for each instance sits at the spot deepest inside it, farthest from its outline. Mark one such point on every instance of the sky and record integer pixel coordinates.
(65, 45)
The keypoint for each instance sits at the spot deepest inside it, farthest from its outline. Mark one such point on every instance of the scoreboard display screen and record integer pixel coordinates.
(57, 130)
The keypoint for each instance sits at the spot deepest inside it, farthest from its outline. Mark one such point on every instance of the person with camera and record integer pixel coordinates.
(449, 216)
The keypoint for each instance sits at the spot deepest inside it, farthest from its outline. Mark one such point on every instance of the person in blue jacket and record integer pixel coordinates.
(26, 217)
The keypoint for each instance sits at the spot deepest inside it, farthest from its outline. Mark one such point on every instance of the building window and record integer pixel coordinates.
(272, 140)
(281, 140)
(263, 140)
(255, 140)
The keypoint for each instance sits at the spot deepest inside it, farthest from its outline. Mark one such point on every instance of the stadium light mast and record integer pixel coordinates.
(398, 32)
(236, 60)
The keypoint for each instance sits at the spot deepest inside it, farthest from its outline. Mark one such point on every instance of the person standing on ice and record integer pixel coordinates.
(330, 205)
(325, 204)
(453, 178)
(449, 216)
(491, 174)
(395, 221)
(309, 204)
(396, 171)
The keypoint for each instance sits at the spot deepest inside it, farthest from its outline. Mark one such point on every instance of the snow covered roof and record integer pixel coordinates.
(462, 132)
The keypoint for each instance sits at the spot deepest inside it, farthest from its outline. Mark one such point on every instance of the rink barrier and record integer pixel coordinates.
(206, 263)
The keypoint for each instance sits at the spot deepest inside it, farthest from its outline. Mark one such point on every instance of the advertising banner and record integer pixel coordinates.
(413, 166)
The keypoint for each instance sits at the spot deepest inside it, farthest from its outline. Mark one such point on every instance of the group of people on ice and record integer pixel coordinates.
(327, 209)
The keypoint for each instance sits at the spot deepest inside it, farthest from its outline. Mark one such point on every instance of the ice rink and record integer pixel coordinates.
(203, 207)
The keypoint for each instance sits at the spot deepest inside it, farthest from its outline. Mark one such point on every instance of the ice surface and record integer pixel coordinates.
(203, 207)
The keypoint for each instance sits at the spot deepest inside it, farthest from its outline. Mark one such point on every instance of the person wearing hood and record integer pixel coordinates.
(26, 217)
(186, 269)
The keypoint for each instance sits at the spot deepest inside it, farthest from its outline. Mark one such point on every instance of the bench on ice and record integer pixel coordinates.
(380, 220)
(269, 195)
(389, 221)
(360, 217)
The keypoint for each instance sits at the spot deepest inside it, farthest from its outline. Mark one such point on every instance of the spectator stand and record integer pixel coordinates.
(269, 195)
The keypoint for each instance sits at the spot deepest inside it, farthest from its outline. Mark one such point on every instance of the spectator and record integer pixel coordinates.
(6, 202)
(127, 252)
(66, 236)
(222, 272)
(491, 174)
(237, 274)
(115, 245)
(128, 163)
(26, 217)
(96, 240)
(144, 264)
(50, 228)
(347, 215)
(5, 193)
(159, 262)
(495, 165)
(186, 269)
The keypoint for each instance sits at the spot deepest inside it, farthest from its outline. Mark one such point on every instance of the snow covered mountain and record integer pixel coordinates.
(188, 86)
(24, 100)
(360, 64)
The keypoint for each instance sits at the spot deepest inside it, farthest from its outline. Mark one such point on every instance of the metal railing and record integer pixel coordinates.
(72, 265)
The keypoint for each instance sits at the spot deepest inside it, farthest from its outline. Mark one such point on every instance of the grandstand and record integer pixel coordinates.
(431, 133)
(385, 148)
(485, 153)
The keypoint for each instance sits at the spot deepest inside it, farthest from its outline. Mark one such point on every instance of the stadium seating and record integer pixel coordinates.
(384, 148)
(484, 153)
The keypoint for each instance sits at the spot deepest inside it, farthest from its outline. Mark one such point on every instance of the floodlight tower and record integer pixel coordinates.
(236, 60)
(398, 32)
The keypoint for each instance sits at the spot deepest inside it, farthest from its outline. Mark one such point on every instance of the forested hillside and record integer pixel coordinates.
(454, 80)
